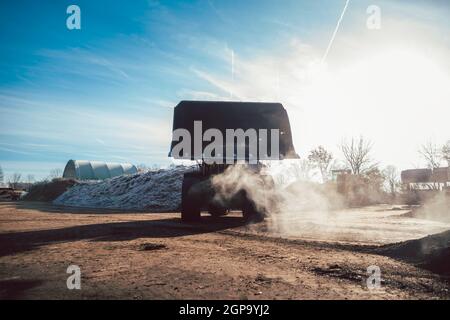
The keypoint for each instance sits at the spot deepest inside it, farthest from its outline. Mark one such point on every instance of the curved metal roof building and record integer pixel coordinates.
(96, 170)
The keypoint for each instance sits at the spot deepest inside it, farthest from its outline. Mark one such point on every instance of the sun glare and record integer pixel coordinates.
(394, 93)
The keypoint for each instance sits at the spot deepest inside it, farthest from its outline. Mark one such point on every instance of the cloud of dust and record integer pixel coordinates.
(297, 206)
(239, 178)
(283, 192)
(301, 196)
(436, 208)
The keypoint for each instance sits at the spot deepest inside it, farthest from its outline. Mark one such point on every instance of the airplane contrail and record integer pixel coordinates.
(232, 73)
(335, 32)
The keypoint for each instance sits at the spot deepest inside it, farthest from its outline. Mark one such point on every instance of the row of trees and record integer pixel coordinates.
(358, 159)
(15, 179)
(356, 154)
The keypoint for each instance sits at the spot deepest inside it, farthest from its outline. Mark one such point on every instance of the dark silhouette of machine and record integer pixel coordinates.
(198, 190)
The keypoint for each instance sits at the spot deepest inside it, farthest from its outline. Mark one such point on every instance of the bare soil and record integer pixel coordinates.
(135, 255)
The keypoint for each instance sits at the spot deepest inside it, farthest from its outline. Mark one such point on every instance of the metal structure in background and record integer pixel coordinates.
(426, 179)
(96, 170)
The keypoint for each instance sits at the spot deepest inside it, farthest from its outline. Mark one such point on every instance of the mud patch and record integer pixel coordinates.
(337, 271)
(151, 246)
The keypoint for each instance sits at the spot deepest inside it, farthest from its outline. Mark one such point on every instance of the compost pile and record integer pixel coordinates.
(157, 191)
(431, 252)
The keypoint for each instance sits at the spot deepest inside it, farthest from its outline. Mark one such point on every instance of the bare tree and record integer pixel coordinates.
(301, 170)
(321, 159)
(430, 152)
(14, 180)
(55, 173)
(446, 152)
(391, 176)
(357, 154)
(30, 178)
(1, 175)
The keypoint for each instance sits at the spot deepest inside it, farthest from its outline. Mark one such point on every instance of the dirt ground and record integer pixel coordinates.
(137, 255)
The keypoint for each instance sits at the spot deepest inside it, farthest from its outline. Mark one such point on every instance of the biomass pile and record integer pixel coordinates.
(431, 252)
(157, 191)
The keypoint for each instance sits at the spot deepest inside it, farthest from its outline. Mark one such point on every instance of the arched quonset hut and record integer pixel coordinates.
(96, 170)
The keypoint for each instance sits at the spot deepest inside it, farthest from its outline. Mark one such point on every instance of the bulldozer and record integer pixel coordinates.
(222, 136)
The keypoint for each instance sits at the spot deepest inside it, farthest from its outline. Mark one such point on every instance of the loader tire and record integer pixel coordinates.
(251, 213)
(190, 209)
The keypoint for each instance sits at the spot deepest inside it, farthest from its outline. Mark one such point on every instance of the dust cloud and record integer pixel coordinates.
(297, 207)
(436, 208)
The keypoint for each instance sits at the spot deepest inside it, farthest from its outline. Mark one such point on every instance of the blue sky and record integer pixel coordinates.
(106, 92)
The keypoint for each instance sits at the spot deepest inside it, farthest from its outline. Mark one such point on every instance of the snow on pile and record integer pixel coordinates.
(154, 191)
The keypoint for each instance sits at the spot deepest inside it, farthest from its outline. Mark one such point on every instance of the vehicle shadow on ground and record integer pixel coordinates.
(16, 242)
(15, 288)
(48, 207)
